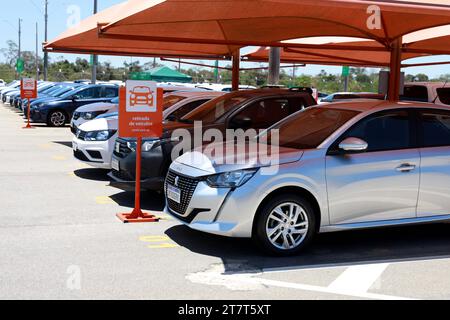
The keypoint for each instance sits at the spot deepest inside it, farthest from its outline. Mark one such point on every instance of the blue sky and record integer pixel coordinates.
(61, 12)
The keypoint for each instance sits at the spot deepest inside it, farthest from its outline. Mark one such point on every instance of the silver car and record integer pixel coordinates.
(342, 166)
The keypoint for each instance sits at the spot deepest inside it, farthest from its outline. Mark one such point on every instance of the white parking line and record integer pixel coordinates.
(358, 279)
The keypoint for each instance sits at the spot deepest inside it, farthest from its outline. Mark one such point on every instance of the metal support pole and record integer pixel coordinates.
(45, 39)
(346, 83)
(236, 70)
(395, 70)
(94, 57)
(274, 66)
(37, 54)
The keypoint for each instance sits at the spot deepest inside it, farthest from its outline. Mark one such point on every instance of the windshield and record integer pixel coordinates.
(211, 111)
(170, 100)
(309, 128)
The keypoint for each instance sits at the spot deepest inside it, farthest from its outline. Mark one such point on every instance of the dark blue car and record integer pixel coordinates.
(57, 112)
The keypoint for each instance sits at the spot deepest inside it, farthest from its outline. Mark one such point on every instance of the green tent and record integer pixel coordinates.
(161, 74)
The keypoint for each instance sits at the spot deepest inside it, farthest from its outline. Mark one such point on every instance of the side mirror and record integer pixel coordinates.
(352, 144)
(241, 122)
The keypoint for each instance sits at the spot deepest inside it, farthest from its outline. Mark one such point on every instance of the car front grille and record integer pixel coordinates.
(187, 187)
(121, 149)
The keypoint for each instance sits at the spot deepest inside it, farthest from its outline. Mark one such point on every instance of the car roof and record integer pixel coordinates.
(190, 94)
(364, 105)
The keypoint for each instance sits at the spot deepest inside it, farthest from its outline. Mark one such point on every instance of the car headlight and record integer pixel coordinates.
(101, 135)
(233, 179)
(91, 115)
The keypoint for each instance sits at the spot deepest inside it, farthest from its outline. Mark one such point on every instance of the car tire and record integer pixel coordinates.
(57, 118)
(282, 232)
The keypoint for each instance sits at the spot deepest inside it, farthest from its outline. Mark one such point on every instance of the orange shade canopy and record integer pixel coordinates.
(331, 57)
(267, 22)
(83, 38)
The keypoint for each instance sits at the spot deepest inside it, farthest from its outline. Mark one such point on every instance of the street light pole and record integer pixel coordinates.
(37, 54)
(94, 57)
(45, 39)
(19, 54)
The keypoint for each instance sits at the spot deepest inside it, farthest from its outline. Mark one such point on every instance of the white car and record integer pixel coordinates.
(91, 111)
(94, 141)
(433, 92)
(2, 83)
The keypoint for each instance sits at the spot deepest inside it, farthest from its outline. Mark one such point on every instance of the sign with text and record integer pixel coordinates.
(140, 110)
(28, 88)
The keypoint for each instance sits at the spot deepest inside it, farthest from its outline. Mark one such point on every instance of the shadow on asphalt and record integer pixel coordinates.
(93, 174)
(64, 143)
(340, 248)
(150, 201)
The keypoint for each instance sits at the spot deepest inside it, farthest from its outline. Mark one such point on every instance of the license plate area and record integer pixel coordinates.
(173, 193)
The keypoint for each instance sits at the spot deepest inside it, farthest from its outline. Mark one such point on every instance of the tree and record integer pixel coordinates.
(10, 52)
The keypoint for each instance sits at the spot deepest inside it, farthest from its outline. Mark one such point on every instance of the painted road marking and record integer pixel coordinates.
(358, 279)
(104, 200)
(163, 246)
(160, 242)
(45, 146)
(59, 158)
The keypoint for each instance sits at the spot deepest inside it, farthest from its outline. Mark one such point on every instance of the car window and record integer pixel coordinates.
(383, 131)
(444, 95)
(216, 108)
(88, 93)
(183, 110)
(297, 104)
(309, 128)
(435, 128)
(111, 92)
(345, 96)
(415, 93)
(265, 113)
(171, 99)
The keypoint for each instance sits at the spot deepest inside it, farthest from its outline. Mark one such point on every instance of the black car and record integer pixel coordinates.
(57, 112)
(251, 109)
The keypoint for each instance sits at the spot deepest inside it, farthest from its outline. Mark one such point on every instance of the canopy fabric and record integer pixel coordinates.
(83, 38)
(331, 57)
(266, 22)
(164, 74)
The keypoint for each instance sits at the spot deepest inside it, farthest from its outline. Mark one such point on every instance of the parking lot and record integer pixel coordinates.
(60, 239)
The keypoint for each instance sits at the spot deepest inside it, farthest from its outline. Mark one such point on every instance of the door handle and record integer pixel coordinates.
(406, 167)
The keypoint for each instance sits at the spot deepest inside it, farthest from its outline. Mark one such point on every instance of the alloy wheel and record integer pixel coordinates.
(58, 119)
(287, 226)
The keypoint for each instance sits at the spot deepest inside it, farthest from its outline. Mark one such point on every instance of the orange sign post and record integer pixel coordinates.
(28, 90)
(140, 116)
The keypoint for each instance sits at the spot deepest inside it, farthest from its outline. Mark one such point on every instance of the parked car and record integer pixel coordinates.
(93, 142)
(65, 88)
(257, 109)
(12, 86)
(2, 83)
(180, 103)
(41, 89)
(341, 166)
(91, 111)
(339, 96)
(434, 92)
(58, 112)
(89, 149)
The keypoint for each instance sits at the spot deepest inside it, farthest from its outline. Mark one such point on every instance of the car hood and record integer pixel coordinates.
(99, 106)
(111, 123)
(232, 160)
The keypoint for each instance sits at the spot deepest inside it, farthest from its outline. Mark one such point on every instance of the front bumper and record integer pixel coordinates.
(37, 115)
(94, 153)
(220, 211)
(153, 171)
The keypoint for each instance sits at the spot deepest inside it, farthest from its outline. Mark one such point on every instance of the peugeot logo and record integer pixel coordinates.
(176, 181)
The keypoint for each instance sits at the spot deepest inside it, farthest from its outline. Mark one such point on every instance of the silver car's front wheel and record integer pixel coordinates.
(285, 224)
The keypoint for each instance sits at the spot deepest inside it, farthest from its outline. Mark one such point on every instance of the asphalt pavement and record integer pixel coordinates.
(60, 239)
